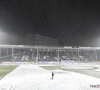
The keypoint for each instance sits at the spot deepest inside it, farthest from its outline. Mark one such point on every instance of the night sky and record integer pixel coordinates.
(72, 22)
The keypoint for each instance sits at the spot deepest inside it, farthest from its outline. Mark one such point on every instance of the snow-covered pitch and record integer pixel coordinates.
(32, 77)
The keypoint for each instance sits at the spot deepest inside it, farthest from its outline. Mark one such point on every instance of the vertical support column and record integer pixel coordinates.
(32, 55)
(58, 55)
(79, 55)
(12, 52)
(47, 52)
(96, 54)
(64, 53)
(37, 56)
(0, 52)
(72, 52)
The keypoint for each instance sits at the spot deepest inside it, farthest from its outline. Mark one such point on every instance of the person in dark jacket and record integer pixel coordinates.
(52, 75)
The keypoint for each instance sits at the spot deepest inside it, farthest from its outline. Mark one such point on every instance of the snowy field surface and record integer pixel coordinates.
(32, 77)
(77, 67)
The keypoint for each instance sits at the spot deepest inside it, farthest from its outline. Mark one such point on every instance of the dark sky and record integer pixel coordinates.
(72, 22)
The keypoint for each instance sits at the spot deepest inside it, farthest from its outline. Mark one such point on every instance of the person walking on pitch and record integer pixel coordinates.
(52, 75)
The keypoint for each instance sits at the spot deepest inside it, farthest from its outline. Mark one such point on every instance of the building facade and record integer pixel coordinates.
(39, 40)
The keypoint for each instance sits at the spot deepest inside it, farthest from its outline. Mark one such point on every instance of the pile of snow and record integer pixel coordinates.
(32, 77)
(97, 70)
(78, 67)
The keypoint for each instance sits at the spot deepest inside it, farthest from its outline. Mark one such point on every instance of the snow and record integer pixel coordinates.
(77, 67)
(97, 70)
(32, 77)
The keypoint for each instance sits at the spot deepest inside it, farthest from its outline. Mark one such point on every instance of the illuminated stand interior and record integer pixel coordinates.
(36, 54)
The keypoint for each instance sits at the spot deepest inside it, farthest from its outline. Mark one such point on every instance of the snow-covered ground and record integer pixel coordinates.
(77, 67)
(32, 77)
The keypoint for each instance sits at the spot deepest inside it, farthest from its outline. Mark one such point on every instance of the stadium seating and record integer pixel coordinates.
(48, 56)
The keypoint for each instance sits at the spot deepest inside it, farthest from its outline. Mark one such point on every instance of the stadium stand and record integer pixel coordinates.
(45, 54)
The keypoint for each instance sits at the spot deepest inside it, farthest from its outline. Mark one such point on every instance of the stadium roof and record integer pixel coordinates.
(48, 47)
